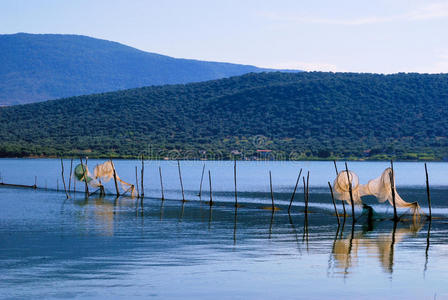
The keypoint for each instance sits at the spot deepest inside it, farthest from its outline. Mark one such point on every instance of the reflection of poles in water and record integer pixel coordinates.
(161, 210)
(270, 224)
(330, 259)
(182, 211)
(305, 231)
(161, 183)
(294, 192)
(294, 231)
(210, 217)
(382, 245)
(235, 220)
(428, 236)
(392, 248)
(350, 246)
(342, 229)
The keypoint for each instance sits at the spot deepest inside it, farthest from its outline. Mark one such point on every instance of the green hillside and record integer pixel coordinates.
(37, 67)
(296, 115)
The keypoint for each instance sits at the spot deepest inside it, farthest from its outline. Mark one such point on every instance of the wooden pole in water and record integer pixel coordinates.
(117, 191)
(210, 183)
(35, 181)
(181, 184)
(392, 187)
(350, 191)
(304, 196)
(70, 177)
(307, 190)
(136, 182)
(63, 179)
(294, 192)
(84, 172)
(428, 193)
(334, 204)
(343, 202)
(161, 183)
(142, 174)
(234, 179)
(335, 167)
(202, 178)
(272, 192)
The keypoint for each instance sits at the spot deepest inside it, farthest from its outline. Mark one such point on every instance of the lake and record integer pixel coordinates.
(103, 247)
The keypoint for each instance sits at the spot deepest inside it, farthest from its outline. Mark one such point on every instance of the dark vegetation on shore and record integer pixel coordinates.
(306, 115)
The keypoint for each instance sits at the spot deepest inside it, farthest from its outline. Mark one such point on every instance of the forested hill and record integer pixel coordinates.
(296, 115)
(37, 67)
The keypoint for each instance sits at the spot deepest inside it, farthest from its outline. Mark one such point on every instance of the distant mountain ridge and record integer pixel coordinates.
(37, 67)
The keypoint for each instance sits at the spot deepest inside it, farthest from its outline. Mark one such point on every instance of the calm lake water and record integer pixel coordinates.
(53, 247)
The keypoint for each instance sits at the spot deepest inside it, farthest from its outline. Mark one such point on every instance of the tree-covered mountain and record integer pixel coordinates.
(296, 115)
(37, 67)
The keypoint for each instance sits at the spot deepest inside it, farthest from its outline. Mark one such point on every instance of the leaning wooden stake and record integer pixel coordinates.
(351, 192)
(428, 193)
(202, 178)
(210, 183)
(117, 191)
(343, 202)
(334, 203)
(161, 183)
(84, 172)
(294, 192)
(136, 182)
(142, 173)
(272, 192)
(392, 187)
(63, 179)
(234, 179)
(181, 184)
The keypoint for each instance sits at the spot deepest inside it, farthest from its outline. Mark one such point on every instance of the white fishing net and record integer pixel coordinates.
(102, 173)
(379, 187)
(105, 172)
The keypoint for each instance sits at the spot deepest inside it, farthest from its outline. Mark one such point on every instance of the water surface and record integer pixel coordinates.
(103, 247)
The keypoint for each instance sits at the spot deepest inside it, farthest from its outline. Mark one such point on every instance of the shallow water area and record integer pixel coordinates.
(104, 247)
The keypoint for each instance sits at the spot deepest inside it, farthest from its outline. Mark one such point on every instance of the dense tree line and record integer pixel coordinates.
(309, 115)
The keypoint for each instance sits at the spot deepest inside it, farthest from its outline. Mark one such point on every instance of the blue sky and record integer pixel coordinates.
(345, 35)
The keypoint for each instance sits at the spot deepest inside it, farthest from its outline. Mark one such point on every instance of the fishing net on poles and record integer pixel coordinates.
(341, 187)
(379, 187)
(105, 172)
(102, 173)
(82, 173)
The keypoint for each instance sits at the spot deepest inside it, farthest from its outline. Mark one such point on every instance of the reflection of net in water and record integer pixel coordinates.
(379, 187)
(345, 251)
